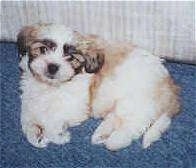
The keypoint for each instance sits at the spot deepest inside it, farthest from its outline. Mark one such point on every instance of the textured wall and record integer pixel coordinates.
(164, 28)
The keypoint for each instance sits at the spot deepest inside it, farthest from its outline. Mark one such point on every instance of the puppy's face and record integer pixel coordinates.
(53, 54)
(53, 62)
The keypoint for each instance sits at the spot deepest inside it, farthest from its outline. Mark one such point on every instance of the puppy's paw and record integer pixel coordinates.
(149, 137)
(119, 139)
(146, 143)
(35, 135)
(61, 138)
(99, 138)
(103, 131)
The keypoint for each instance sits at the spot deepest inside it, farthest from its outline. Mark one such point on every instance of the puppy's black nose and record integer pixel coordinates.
(52, 68)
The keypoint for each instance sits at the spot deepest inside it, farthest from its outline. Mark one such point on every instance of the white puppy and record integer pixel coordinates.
(67, 76)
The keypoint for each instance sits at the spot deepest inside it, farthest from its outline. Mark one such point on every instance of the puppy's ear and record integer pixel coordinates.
(25, 36)
(94, 62)
(92, 48)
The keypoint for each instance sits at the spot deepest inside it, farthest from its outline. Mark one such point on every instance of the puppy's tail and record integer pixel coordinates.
(155, 131)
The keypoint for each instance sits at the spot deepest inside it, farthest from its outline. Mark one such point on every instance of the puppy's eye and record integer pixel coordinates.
(43, 49)
(69, 50)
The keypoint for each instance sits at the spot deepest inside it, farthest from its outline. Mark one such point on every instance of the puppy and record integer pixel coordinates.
(54, 82)
(67, 77)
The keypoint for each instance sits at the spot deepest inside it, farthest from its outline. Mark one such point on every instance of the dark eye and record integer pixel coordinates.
(69, 50)
(43, 49)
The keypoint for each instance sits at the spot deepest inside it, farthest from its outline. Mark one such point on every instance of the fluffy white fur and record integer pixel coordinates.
(53, 108)
(50, 106)
(128, 92)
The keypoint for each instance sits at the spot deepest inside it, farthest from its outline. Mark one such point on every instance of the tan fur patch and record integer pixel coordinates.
(167, 97)
(118, 123)
(114, 53)
(108, 110)
(27, 35)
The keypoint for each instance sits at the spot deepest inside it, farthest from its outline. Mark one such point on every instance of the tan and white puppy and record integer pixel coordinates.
(68, 76)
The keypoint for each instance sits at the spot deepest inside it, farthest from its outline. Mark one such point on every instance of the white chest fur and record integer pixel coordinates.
(53, 106)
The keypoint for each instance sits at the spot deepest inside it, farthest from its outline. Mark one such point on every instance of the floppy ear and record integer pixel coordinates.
(94, 62)
(92, 48)
(25, 36)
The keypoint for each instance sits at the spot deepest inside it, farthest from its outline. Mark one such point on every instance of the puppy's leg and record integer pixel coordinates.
(103, 104)
(61, 138)
(154, 132)
(123, 135)
(104, 129)
(58, 133)
(128, 122)
(112, 132)
(119, 138)
(35, 135)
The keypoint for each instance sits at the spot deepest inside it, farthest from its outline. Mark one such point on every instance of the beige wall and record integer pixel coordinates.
(164, 28)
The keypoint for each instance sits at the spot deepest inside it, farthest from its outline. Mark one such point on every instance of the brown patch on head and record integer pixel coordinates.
(167, 97)
(25, 37)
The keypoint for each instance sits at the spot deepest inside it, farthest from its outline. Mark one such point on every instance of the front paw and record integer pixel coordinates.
(35, 135)
(102, 133)
(98, 139)
(104, 130)
(61, 138)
